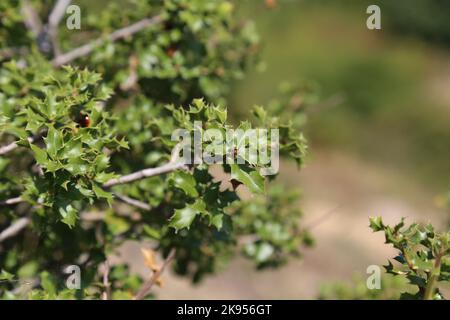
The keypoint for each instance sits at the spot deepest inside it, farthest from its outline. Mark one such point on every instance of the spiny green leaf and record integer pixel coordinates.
(152, 232)
(183, 218)
(186, 182)
(376, 223)
(101, 193)
(40, 155)
(69, 214)
(253, 180)
(47, 284)
(53, 141)
(5, 276)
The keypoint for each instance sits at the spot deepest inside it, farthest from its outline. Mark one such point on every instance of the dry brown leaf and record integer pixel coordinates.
(150, 259)
(159, 282)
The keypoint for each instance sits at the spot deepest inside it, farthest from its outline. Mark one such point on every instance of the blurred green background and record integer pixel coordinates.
(385, 94)
(379, 137)
(391, 86)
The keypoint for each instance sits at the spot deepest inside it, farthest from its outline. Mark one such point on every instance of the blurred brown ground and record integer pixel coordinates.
(339, 194)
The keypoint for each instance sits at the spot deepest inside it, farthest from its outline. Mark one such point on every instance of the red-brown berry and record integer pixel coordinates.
(84, 121)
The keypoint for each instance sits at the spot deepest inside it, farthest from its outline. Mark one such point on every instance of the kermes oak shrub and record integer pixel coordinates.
(87, 161)
(423, 258)
(420, 270)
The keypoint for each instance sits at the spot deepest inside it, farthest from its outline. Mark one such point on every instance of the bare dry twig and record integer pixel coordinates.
(144, 290)
(53, 21)
(14, 228)
(13, 145)
(106, 295)
(7, 53)
(116, 35)
(145, 173)
(58, 13)
(11, 201)
(22, 223)
(31, 18)
(133, 202)
(172, 165)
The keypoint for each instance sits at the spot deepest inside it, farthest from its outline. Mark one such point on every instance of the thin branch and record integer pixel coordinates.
(21, 223)
(145, 173)
(31, 18)
(116, 35)
(172, 165)
(58, 13)
(10, 52)
(106, 295)
(9, 147)
(13, 145)
(53, 21)
(149, 284)
(25, 286)
(133, 202)
(131, 81)
(92, 216)
(14, 228)
(11, 201)
(324, 217)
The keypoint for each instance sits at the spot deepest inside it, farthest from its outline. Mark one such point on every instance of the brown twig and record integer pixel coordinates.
(149, 283)
(116, 35)
(31, 18)
(53, 21)
(145, 173)
(172, 165)
(133, 202)
(58, 13)
(13, 145)
(14, 228)
(10, 52)
(106, 295)
(11, 201)
(21, 223)
(324, 217)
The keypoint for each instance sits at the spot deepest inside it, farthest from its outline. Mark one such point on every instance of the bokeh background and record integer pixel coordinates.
(379, 137)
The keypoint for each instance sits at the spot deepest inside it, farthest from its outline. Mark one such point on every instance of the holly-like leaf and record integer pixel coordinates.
(53, 141)
(6, 276)
(253, 180)
(376, 223)
(101, 193)
(183, 218)
(47, 284)
(69, 214)
(218, 221)
(40, 155)
(186, 182)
